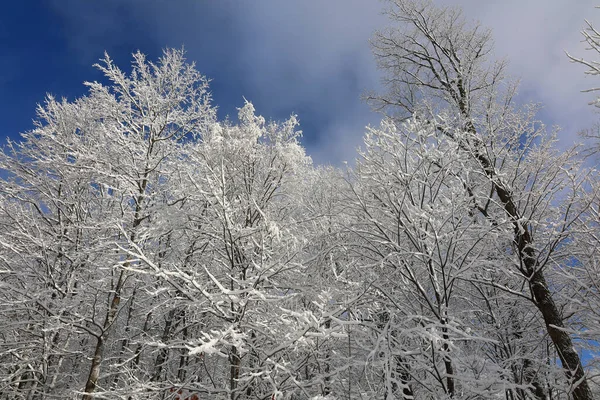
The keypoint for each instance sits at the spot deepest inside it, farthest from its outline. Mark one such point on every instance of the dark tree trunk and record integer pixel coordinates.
(111, 314)
(537, 282)
(234, 370)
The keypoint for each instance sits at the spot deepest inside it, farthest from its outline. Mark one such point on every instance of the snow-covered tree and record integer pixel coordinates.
(437, 69)
(81, 189)
(150, 251)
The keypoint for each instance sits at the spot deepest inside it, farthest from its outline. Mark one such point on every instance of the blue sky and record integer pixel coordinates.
(309, 57)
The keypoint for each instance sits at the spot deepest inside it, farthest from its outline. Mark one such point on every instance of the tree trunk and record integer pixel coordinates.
(234, 371)
(537, 282)
(450, 387)
(111, 314)
(125, 341)
(163, 353)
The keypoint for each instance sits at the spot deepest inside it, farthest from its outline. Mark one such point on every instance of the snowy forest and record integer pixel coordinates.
(149, 250)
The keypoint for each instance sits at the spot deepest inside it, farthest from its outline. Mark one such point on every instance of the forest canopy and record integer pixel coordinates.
(149, 250)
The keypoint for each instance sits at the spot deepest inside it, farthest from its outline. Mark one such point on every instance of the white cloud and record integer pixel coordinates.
(293, 50)
(533, 35)
(312, 56)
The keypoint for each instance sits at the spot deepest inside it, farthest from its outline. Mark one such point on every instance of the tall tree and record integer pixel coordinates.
(91, 177)
(436, 64)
